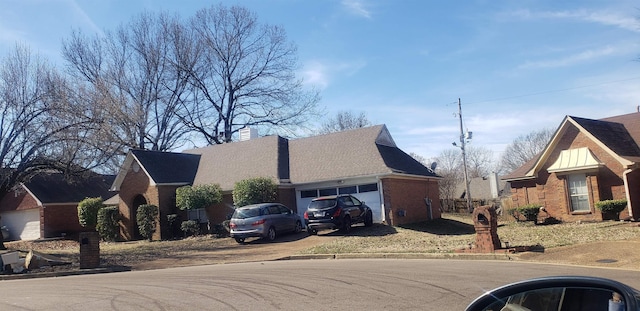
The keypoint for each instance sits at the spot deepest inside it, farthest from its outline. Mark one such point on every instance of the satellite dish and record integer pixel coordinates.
(433, 166)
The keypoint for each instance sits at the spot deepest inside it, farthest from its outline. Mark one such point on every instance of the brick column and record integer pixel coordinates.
(485, 220)
(89, 250)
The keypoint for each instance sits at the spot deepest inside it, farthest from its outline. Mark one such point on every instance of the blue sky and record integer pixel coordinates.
(517, 66)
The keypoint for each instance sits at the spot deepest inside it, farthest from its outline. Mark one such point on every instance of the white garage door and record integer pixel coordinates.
(368, 193)
(22, 225)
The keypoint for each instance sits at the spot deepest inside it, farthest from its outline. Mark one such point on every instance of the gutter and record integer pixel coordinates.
(626, 190)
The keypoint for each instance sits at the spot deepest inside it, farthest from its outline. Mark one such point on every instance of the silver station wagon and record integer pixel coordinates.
(264, 220)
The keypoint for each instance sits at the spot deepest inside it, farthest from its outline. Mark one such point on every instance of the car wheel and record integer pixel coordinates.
(312, 231)
(346, 224)
(298, 228)
(271, 234)
(368, 219)
(240, 240)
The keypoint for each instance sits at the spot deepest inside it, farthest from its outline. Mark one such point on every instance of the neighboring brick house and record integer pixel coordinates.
(47, 205)
(364, 162)
(586, 161)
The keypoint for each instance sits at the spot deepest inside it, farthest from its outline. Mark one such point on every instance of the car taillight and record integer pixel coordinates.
(233, 226)
(306, 216)
(258, 222)
(337, 212)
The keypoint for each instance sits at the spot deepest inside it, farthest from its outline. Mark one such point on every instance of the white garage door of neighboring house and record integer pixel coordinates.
(22, 225)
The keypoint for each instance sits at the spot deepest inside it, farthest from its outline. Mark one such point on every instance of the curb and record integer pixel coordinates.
(467, 256)
(21, 276)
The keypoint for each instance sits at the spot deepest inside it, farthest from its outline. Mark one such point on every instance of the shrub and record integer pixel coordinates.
(107, 226)
(88, 212)
(172, 220)
(190, 227)
(146, 219)
(529, 212)
(254, 190)
(612, 207)
(196, 197)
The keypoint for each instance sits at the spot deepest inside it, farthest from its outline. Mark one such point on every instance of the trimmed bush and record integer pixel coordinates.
(529, 212)
(88, 212)
(190, 227)
(611, 207)
(196, 197)
(107, 226)
(254, 190)
(146, 219)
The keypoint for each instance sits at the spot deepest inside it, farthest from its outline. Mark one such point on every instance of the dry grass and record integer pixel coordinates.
(456, 231)
(452, 232)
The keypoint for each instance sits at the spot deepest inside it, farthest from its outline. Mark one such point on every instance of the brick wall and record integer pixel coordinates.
(17, 200)
(135, 184)
(550, 189)
(404, 200)
(56, 220)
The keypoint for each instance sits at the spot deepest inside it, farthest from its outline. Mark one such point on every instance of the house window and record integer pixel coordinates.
(368, 188)
(329, 191)
(199, 215)
(309, 193)
(578, 192)
(348, 190)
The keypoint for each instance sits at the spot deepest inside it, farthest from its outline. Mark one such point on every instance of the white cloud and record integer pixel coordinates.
(357, 7)
(628, 22)
(320, 73)
(570, 60)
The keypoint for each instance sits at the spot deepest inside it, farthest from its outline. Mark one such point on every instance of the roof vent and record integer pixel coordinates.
(247, 133)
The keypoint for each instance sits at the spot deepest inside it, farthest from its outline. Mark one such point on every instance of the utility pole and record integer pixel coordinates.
(463, 139)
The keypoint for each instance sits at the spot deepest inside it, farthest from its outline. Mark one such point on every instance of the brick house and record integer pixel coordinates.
(586, 161)
(364, 162)
(47, 205)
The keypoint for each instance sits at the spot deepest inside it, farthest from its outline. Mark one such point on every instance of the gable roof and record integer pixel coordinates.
(162, 168)
(55, 188)
(358, 152)
(361, 152)
(229, 163)
(618, 135)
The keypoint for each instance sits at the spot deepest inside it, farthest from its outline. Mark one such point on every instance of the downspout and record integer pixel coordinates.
(626, 190)
(383, 209)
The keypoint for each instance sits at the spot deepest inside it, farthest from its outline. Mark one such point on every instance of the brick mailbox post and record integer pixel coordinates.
(485, 221)
(89, 250)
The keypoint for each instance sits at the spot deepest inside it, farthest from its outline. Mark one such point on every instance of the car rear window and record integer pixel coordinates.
(243, 213)
(322, 203)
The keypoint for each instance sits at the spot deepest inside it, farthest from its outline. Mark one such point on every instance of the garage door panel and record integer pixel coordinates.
(22, 225)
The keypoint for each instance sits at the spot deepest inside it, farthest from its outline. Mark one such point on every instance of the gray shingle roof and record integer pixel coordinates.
(229, 163)
(168, 167)
(54, 188)
(354, 153)
(613, 134)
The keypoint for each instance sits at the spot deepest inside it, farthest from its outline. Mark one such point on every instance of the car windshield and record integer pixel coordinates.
(243, 213)
(319, 204)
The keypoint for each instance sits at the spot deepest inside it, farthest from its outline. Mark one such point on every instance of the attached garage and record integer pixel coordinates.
(22, 224)
(365, 192)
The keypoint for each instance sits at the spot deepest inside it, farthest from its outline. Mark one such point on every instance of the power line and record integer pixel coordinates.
(553, 91)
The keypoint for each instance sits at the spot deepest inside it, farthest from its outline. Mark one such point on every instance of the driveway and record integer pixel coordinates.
(253, 250)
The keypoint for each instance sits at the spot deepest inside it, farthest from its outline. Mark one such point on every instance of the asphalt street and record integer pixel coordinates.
(321, 284)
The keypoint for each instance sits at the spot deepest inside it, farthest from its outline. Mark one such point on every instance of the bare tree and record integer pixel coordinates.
(525, 148)
(133, 76)
(449, 167)
(479, 161)
(245, 76)
(344, 120)
(42, 128)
